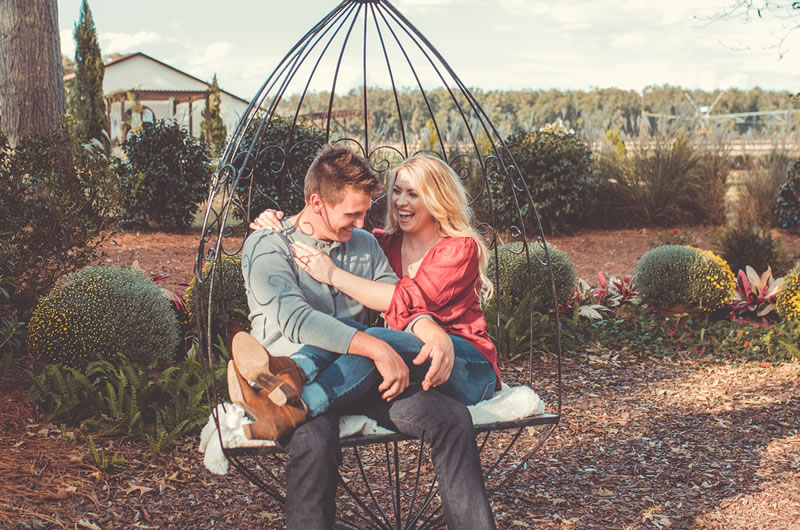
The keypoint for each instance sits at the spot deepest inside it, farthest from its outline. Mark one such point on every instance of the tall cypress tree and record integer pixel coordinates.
(213, 124)
(89, 102)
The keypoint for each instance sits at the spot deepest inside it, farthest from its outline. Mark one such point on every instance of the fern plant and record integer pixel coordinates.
(100, 459)
(122, 400)
(520, 329)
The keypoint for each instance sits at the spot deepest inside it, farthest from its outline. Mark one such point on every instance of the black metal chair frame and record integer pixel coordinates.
(489, 168)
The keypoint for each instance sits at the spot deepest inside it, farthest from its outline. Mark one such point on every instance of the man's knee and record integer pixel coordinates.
(316, 439)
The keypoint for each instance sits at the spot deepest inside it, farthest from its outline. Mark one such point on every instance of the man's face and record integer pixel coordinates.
(340, 220)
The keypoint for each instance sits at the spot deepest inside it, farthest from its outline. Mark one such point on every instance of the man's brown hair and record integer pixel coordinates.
(336, 167)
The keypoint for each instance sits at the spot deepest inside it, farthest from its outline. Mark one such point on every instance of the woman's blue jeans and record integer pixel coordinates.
(334, 380)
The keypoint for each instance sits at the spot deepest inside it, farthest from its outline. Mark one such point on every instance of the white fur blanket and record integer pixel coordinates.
(507, 404)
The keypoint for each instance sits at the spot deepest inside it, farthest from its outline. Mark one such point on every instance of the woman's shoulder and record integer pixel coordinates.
(386, 238)
(457, 244)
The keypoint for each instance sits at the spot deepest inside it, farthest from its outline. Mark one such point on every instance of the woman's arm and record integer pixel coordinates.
(374, 295)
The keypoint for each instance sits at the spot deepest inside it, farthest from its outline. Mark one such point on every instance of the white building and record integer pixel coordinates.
(139, 88)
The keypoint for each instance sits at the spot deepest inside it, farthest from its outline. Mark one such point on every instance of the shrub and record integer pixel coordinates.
(513, 275)
(58, 201)
(741, 246)
(659, 183)
(103, 313)
(280, 167)
(759, 189)
(671, 275)
(788, 301)
(557, 169)
(166, 177)
(230, 297)
(787, 206)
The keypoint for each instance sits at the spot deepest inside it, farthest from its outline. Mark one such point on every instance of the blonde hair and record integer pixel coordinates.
(444, 196)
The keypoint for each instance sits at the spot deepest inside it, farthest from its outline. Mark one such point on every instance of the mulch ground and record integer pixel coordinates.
(643, 442)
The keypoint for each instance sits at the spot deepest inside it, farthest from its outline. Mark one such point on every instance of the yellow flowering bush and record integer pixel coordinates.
(788, 301)
(711, 281)
(675, 274)
(103, 313)
(229, 271)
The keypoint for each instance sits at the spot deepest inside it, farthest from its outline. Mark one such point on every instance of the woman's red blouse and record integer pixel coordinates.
(446, 287)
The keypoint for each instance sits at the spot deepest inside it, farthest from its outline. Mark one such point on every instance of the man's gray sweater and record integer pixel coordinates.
(288, 308)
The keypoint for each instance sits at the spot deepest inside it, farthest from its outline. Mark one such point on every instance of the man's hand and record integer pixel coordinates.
(440, 351)
(389, 364)
(394, 372)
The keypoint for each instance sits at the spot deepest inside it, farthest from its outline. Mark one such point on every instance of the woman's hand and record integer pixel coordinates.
(316, 263)
(268, 219)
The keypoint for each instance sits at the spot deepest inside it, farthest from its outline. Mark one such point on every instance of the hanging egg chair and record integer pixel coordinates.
(365, 76)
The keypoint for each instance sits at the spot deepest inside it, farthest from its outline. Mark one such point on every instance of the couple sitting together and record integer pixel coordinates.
(309, 357)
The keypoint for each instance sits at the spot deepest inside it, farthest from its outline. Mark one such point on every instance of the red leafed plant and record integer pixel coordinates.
(611, 293)
(756, 294)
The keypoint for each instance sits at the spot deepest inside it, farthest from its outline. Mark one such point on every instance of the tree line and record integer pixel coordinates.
(588, 112)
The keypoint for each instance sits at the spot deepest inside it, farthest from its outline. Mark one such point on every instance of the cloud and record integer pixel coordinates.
(212, 54)
(112, 42)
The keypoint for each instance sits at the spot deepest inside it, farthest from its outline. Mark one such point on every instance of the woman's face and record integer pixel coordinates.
(409, 211)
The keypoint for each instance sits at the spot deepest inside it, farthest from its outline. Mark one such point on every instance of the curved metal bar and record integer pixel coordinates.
(336, 76)
(369, 488)
(314, 70)
(419, 84)
(396, 497)
(363, 506)
(416, 485)
(391, 79)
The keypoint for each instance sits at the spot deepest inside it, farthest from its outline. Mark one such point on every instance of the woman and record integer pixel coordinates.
(441, 263)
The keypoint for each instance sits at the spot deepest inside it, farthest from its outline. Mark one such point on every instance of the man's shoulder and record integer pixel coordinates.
(263, 239)
(362, 238)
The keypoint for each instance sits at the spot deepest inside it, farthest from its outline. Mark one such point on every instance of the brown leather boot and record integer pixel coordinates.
(279, 376)
(272, 421)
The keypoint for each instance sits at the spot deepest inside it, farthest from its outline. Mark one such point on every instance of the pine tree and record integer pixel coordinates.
(213, 124)
(89, 69)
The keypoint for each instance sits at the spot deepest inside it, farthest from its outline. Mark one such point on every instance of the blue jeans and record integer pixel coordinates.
(334, 380)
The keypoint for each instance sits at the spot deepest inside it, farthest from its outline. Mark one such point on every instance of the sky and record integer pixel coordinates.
(495, 45)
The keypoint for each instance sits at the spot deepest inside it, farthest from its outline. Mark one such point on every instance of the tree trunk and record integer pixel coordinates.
(32, 86)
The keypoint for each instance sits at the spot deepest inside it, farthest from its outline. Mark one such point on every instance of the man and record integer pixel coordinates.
(323, 331)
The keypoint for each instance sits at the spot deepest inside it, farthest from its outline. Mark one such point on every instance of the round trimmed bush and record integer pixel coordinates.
(675, 274)
(788, 302)
(103, 313)
(513, 277)
(230, 283)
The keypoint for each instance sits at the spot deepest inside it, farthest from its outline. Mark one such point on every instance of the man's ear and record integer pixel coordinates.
(315, 201)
